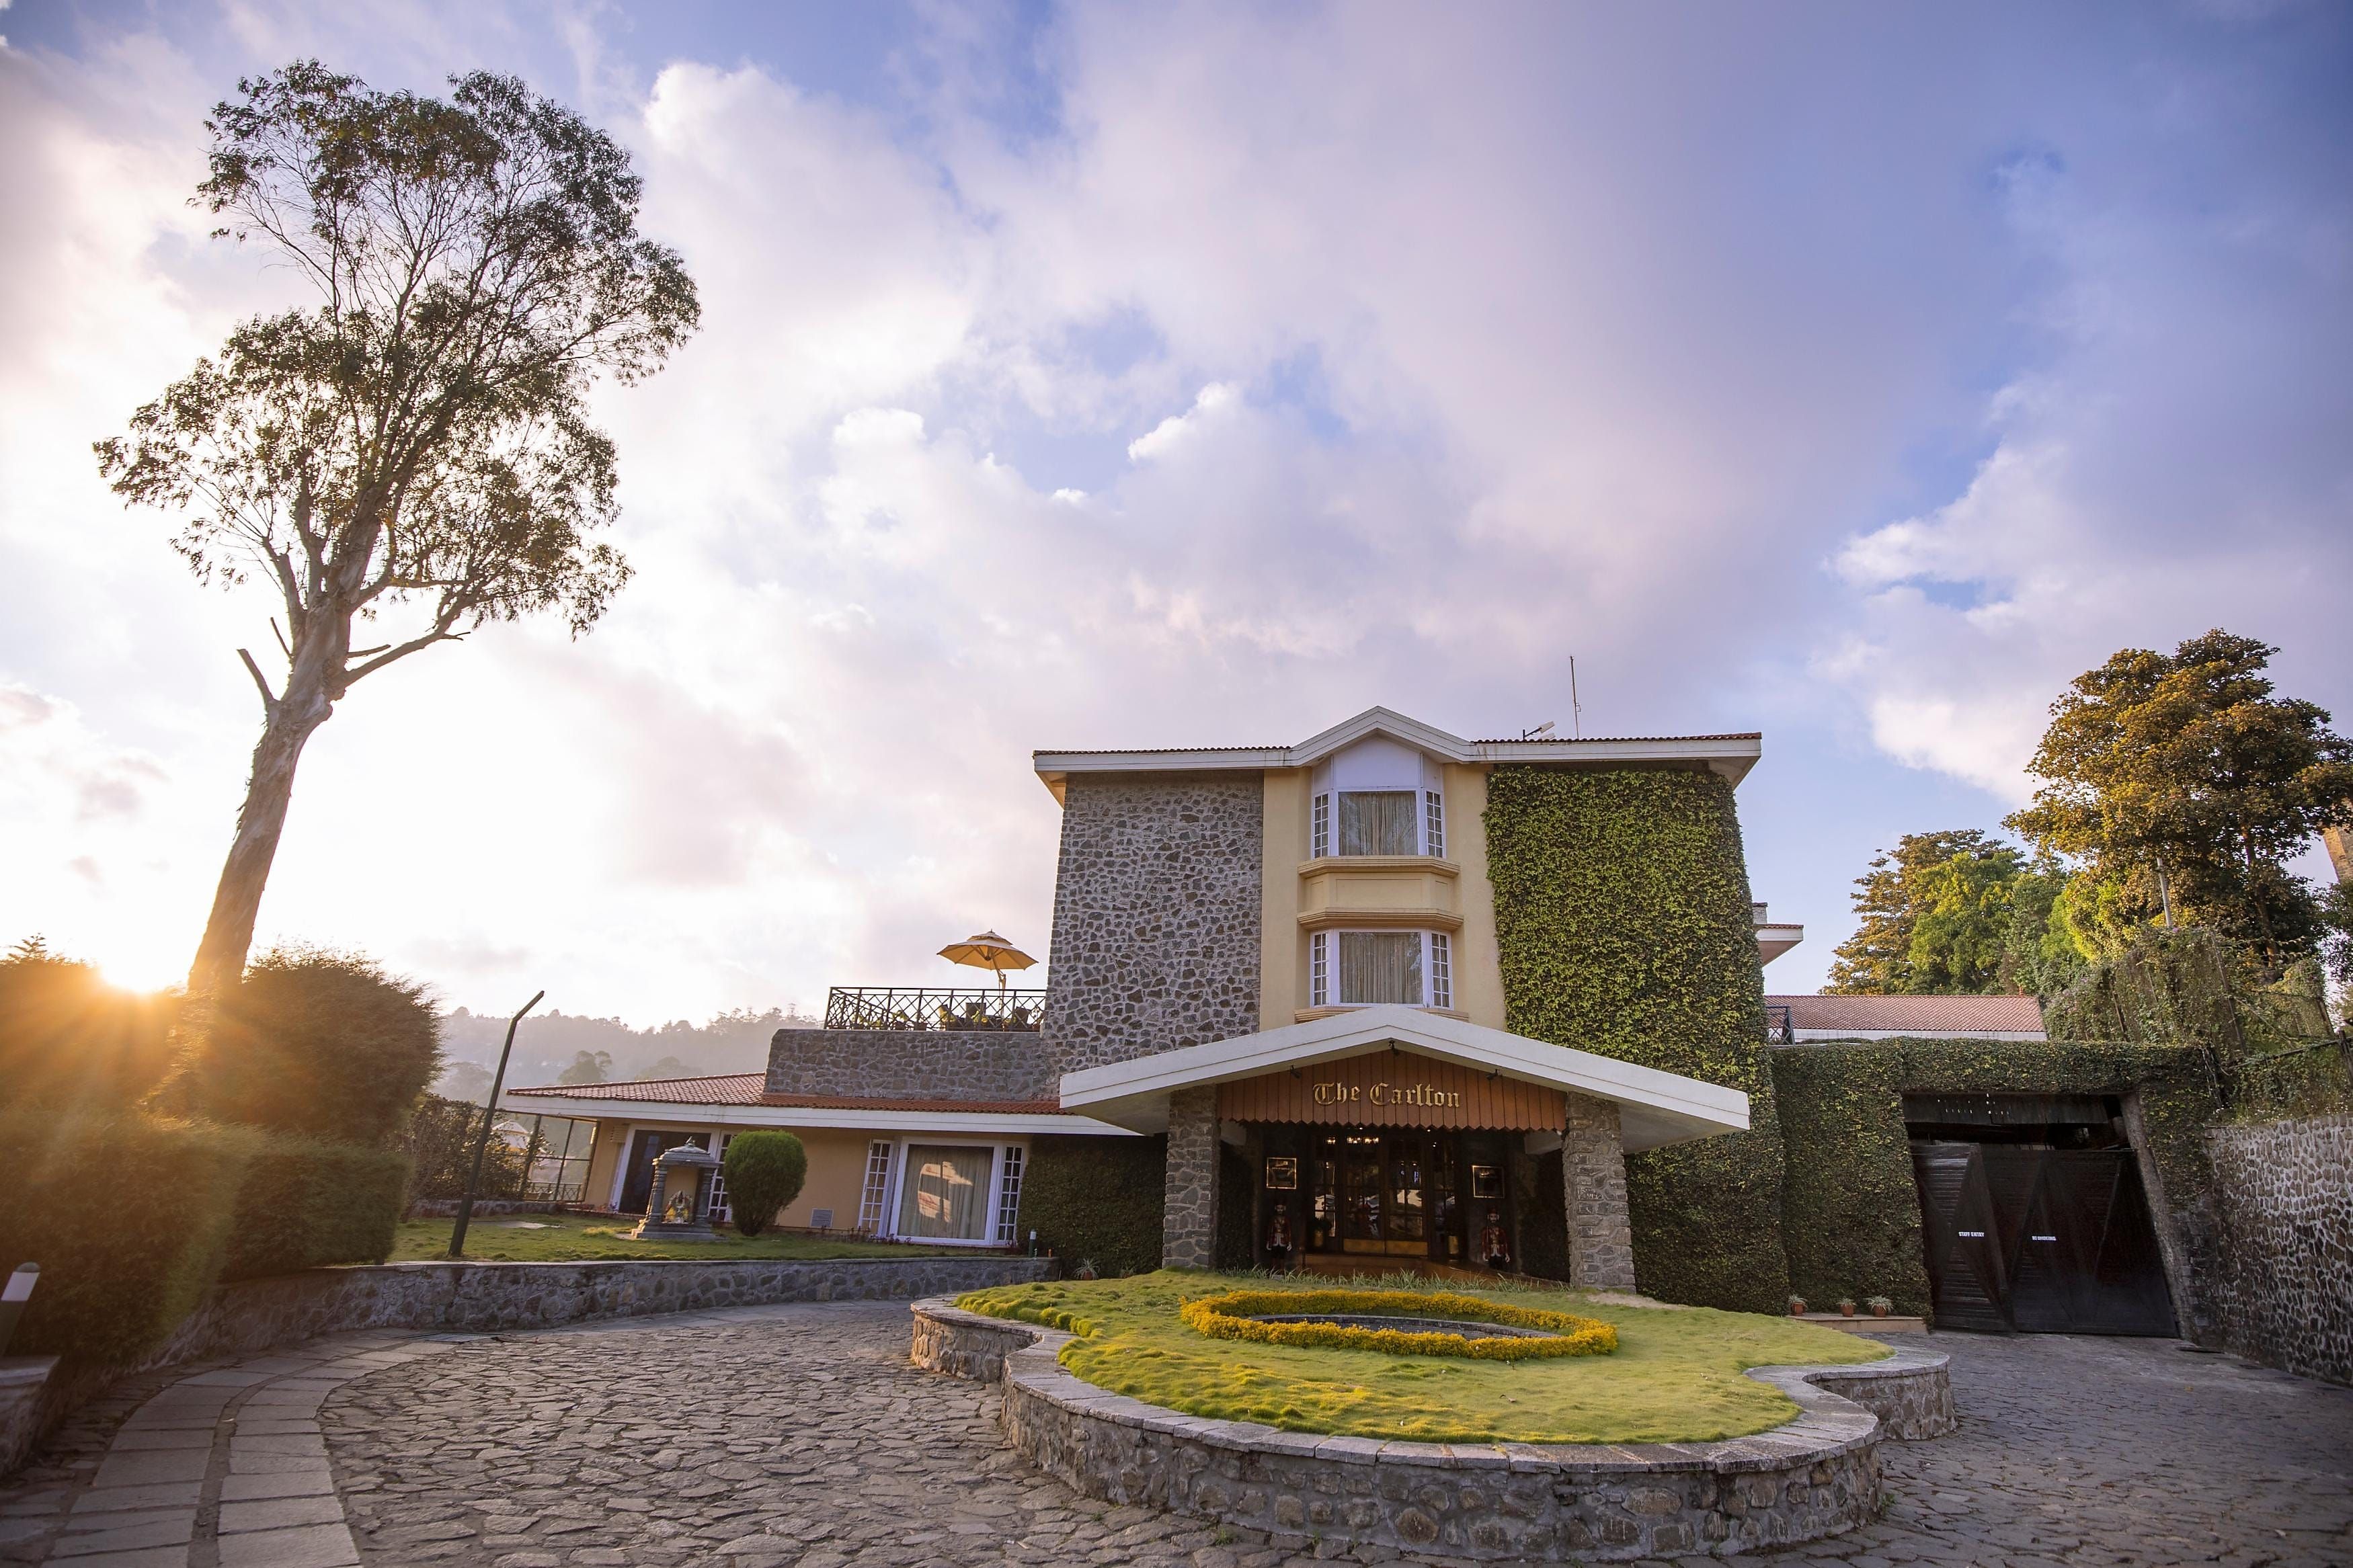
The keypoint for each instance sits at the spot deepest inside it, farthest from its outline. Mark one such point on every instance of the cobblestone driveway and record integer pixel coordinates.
(799, 1434)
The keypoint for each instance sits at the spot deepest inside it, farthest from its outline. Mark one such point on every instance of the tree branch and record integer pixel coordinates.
(269, 701)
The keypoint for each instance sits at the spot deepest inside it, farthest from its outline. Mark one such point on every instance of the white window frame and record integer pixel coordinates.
(1012, 1163)
(874, 1188)
(989, 1227)
(1433, 824)
(1426, 784)
(1319, 827)
(1437, 967)
(717, 1211)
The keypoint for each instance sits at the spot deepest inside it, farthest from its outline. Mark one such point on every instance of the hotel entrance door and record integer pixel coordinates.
(1390, 1194)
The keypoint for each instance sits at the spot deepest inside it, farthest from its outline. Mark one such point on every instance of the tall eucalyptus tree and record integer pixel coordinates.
(414, 449)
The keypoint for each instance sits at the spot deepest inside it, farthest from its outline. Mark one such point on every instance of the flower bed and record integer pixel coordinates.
(1236, 1315)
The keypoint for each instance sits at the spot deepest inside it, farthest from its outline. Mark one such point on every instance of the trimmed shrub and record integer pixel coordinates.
(764, 1170)
(305, 1204)
(322, 1044)
(1099, 1199)
(128, 1216)
(1622, 922)
(70, 1041)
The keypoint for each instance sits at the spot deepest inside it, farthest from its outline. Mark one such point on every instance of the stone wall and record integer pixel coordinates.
(912, 1064)
(1519, 1502)
(2284, 1240)
(1593, 1190)
(1156, 904)
(1188, 1233)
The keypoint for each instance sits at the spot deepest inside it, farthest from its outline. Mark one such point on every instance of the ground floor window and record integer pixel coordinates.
(1009, 1197)
(720, 1212)
(877, 1191)
(944, 1196)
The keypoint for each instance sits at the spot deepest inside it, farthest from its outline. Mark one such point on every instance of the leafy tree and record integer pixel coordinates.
(669, 1066)
(417, 445)
(70, 1041)
(2040, 952)
(764, 1170)
(1936, 915)
(2186, 765)
(315, 1041)
(587, 1067)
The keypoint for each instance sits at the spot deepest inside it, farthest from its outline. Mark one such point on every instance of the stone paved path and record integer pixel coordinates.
(799, 1434)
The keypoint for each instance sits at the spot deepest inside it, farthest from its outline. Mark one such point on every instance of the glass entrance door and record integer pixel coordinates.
(1390, 1193)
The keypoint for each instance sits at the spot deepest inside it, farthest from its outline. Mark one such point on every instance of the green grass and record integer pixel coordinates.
(1675, 1377)
(585, 1238)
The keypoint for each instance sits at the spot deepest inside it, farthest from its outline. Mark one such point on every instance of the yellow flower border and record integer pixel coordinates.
(1232, 1316)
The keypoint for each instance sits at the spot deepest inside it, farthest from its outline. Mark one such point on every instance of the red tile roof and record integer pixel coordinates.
(728, 1089)
(750, 1089)
(1915, 1015)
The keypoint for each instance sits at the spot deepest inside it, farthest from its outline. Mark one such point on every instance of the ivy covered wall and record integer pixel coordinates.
(1100, 1200)
(1851, 1212)
(1622, 921)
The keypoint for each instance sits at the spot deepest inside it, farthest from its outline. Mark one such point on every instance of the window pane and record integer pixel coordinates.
(945, 1192)
(1377, 822)
(1380, 966)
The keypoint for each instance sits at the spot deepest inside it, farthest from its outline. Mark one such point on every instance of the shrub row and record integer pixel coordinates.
(133, 1217)
(1098, 1200)
(1234, 1316)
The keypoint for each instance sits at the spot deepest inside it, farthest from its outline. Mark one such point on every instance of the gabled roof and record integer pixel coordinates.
(1867, 1017)
(1731, 755)
(1654, 1107)
(741, 1099)
(727, 1089)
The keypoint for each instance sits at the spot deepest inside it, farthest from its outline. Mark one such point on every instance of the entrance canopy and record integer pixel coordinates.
(1449, 1073)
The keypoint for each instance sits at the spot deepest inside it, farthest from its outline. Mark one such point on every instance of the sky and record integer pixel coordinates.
(1199, 374)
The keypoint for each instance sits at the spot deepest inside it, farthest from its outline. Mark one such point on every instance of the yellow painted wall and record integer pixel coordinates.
(1478, 963)
(603, 1157)
(1283, 952)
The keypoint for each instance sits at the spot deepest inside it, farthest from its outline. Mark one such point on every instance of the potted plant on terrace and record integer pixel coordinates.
(1797, 1306)
(1846, 1305)
(1880, 1305)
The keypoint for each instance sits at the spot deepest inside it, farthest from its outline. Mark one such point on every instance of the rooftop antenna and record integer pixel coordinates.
(1576, 709)
(1538, 732)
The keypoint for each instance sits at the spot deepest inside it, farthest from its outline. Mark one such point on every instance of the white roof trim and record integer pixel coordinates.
(790, 1116)
(1732, 757)
(1654, 1106)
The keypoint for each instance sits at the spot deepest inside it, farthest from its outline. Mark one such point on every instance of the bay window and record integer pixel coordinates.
(1376, 798)
(1373, 968)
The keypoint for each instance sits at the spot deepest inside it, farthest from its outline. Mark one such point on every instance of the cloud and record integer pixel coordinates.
(1199, 377)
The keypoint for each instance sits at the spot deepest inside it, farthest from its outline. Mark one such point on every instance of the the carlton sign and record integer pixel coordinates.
(1385, 1088)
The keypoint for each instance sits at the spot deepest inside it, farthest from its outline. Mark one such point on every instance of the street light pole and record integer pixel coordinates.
(482, 1143)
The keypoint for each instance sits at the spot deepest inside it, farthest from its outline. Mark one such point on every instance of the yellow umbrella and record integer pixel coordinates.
(987, 950)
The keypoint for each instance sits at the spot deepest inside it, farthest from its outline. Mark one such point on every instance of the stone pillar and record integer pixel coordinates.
(1593, 1174)
(1189, 1223)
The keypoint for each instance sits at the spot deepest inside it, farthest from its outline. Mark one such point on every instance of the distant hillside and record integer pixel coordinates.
(546, 1043)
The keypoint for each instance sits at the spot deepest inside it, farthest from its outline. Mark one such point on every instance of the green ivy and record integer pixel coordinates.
(1851, 1209)
(1622, 919)
(1101, 1200)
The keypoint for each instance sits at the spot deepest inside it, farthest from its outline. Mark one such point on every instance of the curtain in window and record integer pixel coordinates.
(1381, 966)
(1377, 821)
(945, 1192)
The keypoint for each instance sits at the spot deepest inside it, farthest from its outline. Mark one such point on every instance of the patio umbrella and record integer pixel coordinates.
(987, 950)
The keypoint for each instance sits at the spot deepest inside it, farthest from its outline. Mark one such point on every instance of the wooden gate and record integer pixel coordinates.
(2022, 1239)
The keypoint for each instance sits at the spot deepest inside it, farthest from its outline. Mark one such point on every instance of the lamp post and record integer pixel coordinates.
(482, 1143)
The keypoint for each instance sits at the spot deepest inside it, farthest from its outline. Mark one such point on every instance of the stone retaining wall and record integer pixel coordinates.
(1817, 1476)
(909, 1064)
(2284, 1240)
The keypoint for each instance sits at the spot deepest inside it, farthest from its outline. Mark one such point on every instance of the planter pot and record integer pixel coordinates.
(1846, 1309)
(1879, 1312)
(1797, 1306)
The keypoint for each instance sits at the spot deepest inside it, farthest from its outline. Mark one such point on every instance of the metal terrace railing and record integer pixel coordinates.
(1780, 1028)
(923, 1007)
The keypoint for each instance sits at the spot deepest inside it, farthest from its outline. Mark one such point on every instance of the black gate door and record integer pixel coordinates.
(2039, 1240)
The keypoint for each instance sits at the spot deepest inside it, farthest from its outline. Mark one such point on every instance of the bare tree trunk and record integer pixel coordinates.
(236, 902)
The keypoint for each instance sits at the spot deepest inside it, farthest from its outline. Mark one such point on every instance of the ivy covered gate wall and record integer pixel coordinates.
(1623, 923)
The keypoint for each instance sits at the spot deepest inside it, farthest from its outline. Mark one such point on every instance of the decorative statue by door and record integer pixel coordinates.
(1494, 1246)
(1278, 1234)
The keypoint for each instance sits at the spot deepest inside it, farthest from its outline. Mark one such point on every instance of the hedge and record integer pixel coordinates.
(1623, 924)
(765, 1170)
(316, 1042)
(1850, 1207)
(306, 1203)
(1097, 1199)
(128, 1216)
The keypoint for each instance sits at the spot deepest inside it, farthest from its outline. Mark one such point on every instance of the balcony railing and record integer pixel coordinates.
(1780, 1028)
(907, 1007)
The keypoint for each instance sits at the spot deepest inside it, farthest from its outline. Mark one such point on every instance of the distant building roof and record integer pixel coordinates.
(1874, 1017)
(727, 1089)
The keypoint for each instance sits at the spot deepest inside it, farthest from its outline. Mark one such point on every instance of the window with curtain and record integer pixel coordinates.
(1379, 822)
(1378, 966)
(944, 1196)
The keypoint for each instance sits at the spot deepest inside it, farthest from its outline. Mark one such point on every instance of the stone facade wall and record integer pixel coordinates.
(1156, 906)
(1188, 1234)
(912, 1064)
(1593, 1188)
(2284, 1200)
(1520, 1502)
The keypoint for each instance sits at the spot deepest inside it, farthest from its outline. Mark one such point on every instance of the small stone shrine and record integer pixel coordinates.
(679, 1206)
